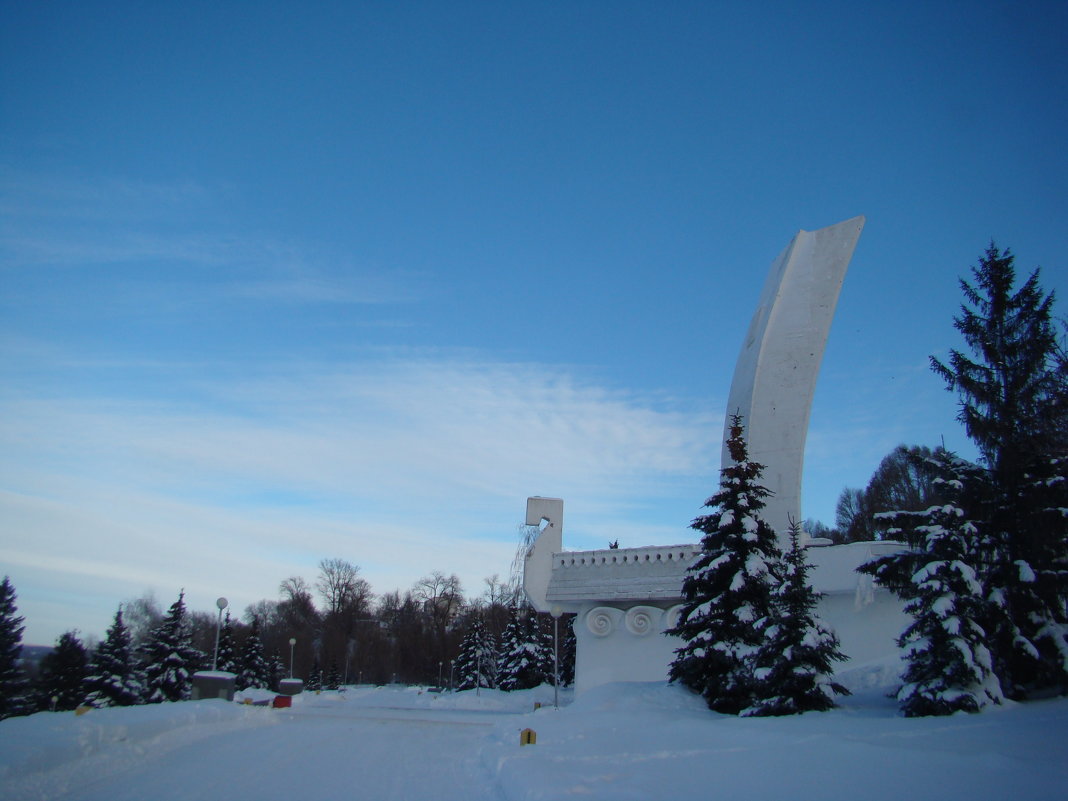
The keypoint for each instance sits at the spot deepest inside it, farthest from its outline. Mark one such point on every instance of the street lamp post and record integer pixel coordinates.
(292, 642)
(556, 611)
(222, 603)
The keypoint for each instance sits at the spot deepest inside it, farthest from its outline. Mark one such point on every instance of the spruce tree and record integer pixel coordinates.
(333, 677)
(727, 590)
(520, 664)
(542, 636)
(568, 650)
(255, 670)
(794, 663)
(949, 665)
(315, 678)
(277, 670)
(169, 658)
(60, 682)
(511, 658)
(476, 663)
(1014, 406)
(227, 654)
(113, 678)
(14, 689)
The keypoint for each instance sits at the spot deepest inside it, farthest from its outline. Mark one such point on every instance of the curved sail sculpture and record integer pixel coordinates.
(775, 376)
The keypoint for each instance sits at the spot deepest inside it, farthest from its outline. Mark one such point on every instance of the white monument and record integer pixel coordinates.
(626, 598)
(547, 513)
(775, 377)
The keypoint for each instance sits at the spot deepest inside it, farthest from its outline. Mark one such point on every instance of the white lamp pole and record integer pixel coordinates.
(556, 611)
(222, 603)
(292, 642)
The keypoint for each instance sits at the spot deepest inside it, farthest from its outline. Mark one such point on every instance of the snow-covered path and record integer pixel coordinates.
(615, 743)
(365, 754)
(368, 743)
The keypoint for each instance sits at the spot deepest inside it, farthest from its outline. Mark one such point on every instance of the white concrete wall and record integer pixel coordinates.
(624, 640)
(867, 618)
(610, 651)
(867, 630)
(611, 647)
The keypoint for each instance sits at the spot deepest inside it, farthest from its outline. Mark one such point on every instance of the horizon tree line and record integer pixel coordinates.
(149, 656)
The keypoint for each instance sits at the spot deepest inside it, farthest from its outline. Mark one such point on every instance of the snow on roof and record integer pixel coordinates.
(655, 573)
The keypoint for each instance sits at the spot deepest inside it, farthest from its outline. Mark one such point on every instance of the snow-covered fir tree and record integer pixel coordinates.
(1039, 600)
(169, 658)
(60, 682)
(255, 671)
(113, 677)
(543, 634)
(476, 665)
(792, 667)
(278, 669)
(226, 658)
(568, 650)
(727, 590)
(333, 677)
(14, 689)
(520, 665)
(1013, 390)
(315, 678)
(950, 666)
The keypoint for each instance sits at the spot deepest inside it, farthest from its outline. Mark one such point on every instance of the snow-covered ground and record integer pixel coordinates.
(622, 741)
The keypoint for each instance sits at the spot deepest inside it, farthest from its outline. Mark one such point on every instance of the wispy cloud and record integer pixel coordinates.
(402, 466)
(363, 429)
(296, 286)
(102, 199)
(47, 222)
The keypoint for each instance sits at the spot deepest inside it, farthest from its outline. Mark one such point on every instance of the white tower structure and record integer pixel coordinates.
(775, 376)
(547, 514)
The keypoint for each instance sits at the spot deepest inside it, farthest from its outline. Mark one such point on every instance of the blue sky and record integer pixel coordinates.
(290, 281)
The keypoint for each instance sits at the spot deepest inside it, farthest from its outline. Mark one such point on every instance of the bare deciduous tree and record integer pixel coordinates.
(341, 586)
(295, 588)
(442, 597)
(264, 610)
(903, 481)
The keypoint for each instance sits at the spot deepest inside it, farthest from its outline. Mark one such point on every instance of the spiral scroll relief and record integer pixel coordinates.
(643, 620)
(602, 620)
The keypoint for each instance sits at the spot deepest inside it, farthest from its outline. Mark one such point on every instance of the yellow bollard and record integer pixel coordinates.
(82, 710)
(528, 737)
